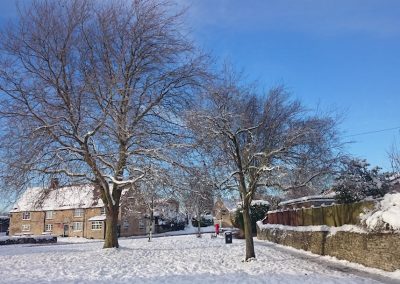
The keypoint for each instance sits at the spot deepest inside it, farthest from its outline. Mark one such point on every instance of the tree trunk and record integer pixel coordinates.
(248, 233)
(111, 238)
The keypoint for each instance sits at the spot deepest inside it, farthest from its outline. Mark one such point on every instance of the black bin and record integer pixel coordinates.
(228, 237)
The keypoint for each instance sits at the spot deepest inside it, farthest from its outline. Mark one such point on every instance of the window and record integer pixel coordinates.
(103, 211)
(141, 224)
(97, 225)
(49, 214)
(26, 215)
(77, 226)
(78, 212)
(26, 228)
(49, 227)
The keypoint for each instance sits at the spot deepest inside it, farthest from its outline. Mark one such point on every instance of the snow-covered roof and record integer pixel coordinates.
(259, 202)
(323, 197)
(98, 218)
(40, 199)
(254, 202)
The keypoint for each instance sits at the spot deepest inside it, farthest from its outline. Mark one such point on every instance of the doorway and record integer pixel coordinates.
(66, 230)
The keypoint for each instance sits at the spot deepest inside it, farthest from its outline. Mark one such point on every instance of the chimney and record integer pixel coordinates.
(54, 183)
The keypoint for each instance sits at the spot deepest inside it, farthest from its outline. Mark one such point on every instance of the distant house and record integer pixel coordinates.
(222, 214)
(136, 215)
(308, 201)
(224, 211)
(74, 211)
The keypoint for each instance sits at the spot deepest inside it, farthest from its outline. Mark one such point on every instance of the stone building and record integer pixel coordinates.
(222, 214)
(136, 215)
(63, 211)
(78, 211)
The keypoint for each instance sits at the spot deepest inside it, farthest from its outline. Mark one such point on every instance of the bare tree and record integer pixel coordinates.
(262, 141)
(91, 91)
(198, 194)
(157, 184)
(394, 157)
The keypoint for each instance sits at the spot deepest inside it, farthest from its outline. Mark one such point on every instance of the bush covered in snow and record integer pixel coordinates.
(356, 181)
(385, 216)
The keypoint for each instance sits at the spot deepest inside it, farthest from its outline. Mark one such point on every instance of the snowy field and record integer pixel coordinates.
(178, 259)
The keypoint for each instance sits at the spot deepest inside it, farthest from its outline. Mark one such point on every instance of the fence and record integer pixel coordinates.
(335, 215)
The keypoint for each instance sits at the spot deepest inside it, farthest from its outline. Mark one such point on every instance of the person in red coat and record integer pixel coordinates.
(216, 229)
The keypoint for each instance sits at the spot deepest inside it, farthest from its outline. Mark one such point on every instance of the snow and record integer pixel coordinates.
(37, 198)
(98, 218)
(386, 216)
(332, 261)
(394, 178)
(324, 228)
(260, 202)
(208, 217)
(253, 202)
(178, 259)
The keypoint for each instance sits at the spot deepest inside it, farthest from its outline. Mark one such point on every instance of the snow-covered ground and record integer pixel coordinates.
(178, 259)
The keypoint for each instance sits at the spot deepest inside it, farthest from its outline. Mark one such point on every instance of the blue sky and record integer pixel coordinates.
(342, 55)
(338, 54)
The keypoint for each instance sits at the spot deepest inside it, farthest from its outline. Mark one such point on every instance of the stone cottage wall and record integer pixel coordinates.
(379, 250)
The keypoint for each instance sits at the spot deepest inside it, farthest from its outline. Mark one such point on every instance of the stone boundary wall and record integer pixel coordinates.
(378, 250)
(28, 240)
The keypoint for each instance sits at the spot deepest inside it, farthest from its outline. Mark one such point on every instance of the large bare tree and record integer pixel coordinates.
(92, 90)
(262, 141)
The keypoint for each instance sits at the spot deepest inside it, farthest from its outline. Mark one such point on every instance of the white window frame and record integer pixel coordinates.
(142, 224)
(78, 212)
(26, 228)
(26, 215)
(77, 226)
(49, 214)
(97, 225)
(49, 228)
(102, 211)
